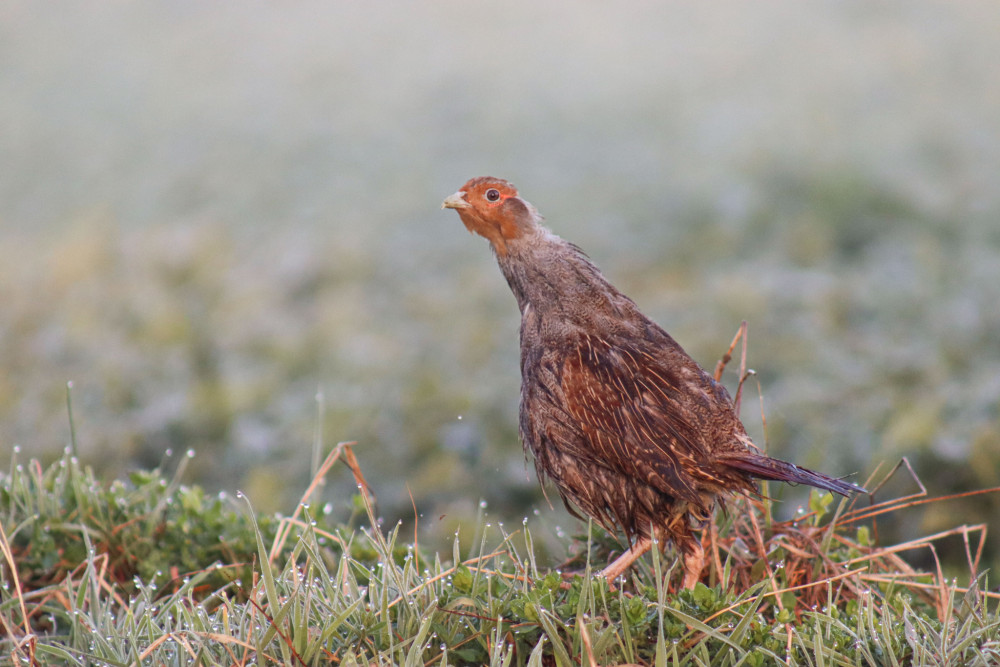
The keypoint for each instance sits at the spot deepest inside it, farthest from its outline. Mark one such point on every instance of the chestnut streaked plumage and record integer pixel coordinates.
(629, 427)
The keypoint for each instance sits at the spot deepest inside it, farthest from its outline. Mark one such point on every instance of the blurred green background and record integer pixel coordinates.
(221, 222)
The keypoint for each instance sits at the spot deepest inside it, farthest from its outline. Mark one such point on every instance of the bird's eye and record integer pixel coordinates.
(492, 194)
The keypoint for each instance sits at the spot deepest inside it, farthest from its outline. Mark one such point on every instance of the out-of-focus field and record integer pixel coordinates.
(209, 214)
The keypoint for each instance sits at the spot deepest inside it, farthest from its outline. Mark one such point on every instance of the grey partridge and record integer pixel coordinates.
(631, 429)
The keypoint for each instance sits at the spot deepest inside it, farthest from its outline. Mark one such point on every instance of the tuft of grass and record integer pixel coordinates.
(148, 528)
(130, 573)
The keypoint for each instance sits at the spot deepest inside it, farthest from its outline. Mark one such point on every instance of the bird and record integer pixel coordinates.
(628, 427)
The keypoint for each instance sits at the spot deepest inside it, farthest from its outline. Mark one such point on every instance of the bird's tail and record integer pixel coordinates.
(764, 467)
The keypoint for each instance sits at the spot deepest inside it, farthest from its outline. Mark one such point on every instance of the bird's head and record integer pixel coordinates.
(491, 208)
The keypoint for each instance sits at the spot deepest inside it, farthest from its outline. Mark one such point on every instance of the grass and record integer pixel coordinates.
(152, 572)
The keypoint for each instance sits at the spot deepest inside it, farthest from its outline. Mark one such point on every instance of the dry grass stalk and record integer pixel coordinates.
(803, 546)
(805, 543)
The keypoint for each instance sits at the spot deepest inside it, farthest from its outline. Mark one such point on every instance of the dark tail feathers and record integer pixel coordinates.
(765, 467)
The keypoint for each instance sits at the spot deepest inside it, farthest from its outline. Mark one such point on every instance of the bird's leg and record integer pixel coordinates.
(622, 563)
(694, 562)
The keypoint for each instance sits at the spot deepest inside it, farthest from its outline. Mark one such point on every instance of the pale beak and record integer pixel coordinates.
(456, 201)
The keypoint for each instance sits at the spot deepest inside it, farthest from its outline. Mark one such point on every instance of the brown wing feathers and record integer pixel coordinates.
(621, 411)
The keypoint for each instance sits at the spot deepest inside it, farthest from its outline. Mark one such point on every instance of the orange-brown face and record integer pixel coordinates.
(491, 208)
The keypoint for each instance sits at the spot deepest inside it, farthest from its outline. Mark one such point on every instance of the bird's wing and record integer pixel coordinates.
(646, 412)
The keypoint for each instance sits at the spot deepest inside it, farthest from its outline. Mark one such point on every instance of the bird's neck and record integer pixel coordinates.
(553, 276)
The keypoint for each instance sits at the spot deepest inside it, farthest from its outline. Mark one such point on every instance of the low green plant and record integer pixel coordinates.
(132, 573)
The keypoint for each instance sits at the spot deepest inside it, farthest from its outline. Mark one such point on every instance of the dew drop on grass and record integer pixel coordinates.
(189, 453)
(482, 504)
